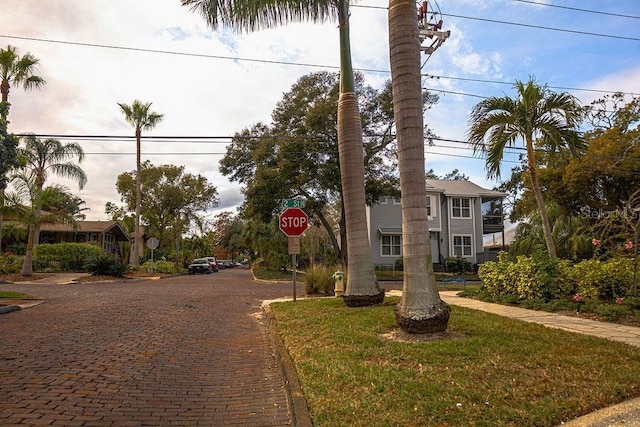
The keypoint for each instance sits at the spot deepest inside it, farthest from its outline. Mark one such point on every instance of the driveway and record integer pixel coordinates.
(187, 350)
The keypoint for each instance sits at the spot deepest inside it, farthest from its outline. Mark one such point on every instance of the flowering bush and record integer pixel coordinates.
(605, 280)
(540, 277)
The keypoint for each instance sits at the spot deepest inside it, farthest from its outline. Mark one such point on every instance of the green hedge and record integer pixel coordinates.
(539, 277)
(64, 256)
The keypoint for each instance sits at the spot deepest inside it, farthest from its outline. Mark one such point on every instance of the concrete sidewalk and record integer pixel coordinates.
(611, 331)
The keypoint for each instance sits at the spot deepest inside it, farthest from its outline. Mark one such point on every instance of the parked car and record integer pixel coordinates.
(213, 264)
(225, 263)
(199, 265)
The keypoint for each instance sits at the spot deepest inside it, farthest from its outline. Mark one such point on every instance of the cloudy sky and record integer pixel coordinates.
(95, 54)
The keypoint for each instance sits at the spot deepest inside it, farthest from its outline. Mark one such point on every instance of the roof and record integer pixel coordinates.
(89, 227)
(461, 188)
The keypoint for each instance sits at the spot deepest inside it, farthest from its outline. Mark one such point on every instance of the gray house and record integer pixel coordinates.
(459, 214)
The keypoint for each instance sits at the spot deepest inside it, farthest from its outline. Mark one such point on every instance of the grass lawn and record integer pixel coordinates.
(16, 295)
(489, 371)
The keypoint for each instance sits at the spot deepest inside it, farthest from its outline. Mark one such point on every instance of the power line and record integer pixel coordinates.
(518, 24)
(171, 52)
(580, 10)
(265, 61)
(540, 27)
(435, 76)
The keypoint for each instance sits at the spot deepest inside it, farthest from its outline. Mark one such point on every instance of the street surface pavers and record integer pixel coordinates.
(190, 350)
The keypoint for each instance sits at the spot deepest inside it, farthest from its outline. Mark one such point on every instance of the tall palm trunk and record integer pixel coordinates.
(362, 286)
(135, 262)
(420, 309)
(535, 185)
(4, 90)
(27, 264)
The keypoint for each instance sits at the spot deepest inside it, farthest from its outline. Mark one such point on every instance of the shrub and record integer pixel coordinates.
(318, 279)
(106, 265)
(65, 256)
(10, 264)
(604, 280)
(526, 278)
(399, 265)
(165, 267)
(458, 265)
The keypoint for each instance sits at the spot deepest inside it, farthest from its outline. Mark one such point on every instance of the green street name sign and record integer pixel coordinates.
(292, 203)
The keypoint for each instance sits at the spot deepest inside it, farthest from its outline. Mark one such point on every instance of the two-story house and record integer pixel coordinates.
(459, 214)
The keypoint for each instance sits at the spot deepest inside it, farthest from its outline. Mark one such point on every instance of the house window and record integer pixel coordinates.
(397, 202)
(391, 245)
(109, 243)
(461, 208)
(462, 246)
(431, 211)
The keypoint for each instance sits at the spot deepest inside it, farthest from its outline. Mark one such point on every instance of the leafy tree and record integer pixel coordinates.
(537, 116)
(138, 115)
(42, 157)
(589, 194)
(420, 309)
(454, 175)
(297, 156)
(172, 201)
(8, 158)
(362, 286)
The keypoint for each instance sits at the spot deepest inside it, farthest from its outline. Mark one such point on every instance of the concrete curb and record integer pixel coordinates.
(9, 308)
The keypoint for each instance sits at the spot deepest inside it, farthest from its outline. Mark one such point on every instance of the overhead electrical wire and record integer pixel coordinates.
(467, 79)
(598, 12)
(519, 24)
(264, 61)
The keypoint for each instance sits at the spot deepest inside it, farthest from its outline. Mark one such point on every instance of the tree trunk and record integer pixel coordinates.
(135, 261)
(420, 309)
(362, 286)
(27, 264)
(544, 217)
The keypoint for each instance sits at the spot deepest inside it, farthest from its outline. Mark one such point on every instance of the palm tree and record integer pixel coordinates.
(139, 116)
(14, 69)
(420, 309)
(537, 116)
(27, 201)
(362, 286)
(41, 158)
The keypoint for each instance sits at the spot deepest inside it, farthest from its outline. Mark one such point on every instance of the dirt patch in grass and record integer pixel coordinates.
(399, 335)
(16, 277)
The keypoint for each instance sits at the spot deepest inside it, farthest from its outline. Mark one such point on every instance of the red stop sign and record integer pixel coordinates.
(293, 222)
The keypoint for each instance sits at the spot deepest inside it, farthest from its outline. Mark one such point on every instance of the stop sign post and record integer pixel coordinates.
(293, 222)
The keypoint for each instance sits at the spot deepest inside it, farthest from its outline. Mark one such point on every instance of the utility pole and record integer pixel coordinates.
(430, 27)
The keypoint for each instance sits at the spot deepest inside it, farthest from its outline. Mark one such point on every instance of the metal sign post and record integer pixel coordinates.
(293, 222)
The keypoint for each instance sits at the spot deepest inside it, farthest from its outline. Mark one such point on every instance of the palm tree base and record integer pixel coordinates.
(363, 300)
(433, 319)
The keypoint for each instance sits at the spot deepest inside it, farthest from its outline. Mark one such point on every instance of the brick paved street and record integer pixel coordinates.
(184, 351)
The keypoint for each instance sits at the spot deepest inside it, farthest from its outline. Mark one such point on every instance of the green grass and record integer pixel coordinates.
(16, 295)
(278, 275)
(492, 371)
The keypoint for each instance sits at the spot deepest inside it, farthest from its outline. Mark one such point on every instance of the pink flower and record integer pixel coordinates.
(577, 298)
(628, 245)
(619, 300)
(595, 242)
